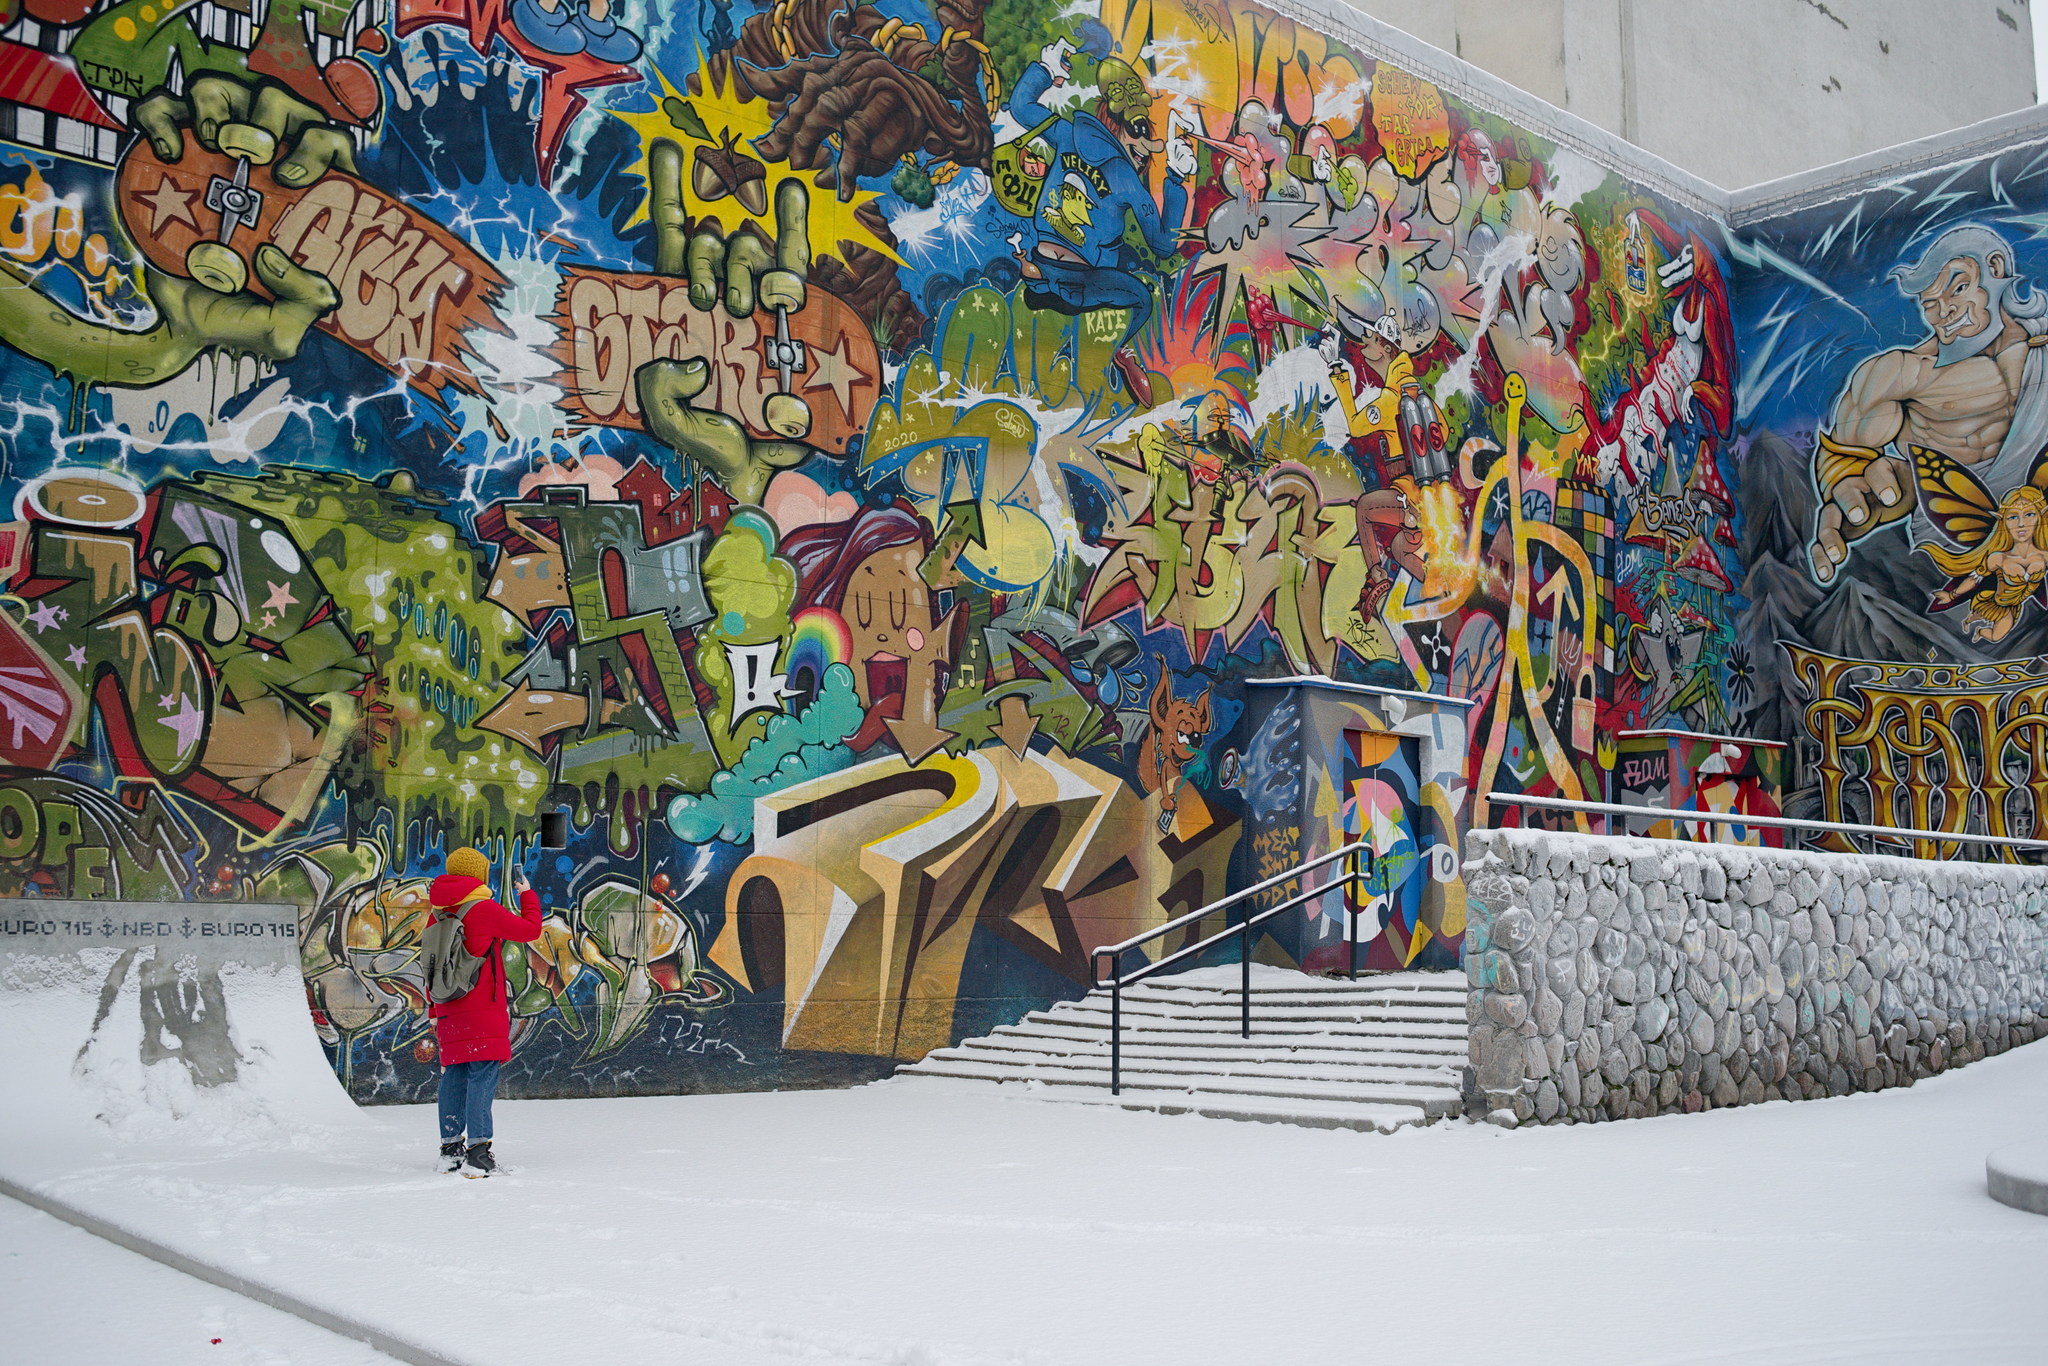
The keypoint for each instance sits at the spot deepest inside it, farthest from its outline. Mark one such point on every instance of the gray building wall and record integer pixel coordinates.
(1743, 91)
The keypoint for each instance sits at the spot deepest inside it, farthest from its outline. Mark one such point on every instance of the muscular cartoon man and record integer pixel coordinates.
(1080, 261)
(1975, 392)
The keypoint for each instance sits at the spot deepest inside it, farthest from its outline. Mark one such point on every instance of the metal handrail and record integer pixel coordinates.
(1778, 822)
(1192, 917)
(1358, 858)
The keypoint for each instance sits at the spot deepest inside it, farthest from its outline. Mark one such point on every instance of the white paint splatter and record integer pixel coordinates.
(1510, 256)
(1572, 178)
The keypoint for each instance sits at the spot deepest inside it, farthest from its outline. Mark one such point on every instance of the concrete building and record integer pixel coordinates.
(1743, 91)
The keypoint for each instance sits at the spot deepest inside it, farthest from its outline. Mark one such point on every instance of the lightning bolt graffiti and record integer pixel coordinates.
(564, 76)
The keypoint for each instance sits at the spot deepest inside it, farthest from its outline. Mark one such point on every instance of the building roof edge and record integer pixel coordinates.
(1774, 199)
(1489, 93)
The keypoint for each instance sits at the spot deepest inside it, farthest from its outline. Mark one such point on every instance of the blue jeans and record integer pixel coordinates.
(466, 1092)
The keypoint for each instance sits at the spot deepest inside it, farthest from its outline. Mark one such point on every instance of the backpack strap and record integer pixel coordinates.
(482, 893)
(470, 899)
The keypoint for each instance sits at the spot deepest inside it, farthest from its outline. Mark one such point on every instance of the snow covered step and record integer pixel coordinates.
(1412, 985)
(1313, 1114)
(1229, 1025)
(1295, 1000)
(1228, 978)
(1432, 1101)
(1422, 1013)
(1335, 1024)
(1159, 990)
(1289, 1002)
(1408, 1051)
(1376, 1054)
(1241, 1070)
(1429, 1100)
(1340, 990)
(1239, 1053)
(1362, 1073)
(1140, 1011)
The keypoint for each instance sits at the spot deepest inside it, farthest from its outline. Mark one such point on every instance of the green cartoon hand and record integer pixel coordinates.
(252, 121)
(213, 312)
(741, 272)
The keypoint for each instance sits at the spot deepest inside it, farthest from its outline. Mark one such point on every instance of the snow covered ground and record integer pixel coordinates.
(69, 1297)
(932, 1226)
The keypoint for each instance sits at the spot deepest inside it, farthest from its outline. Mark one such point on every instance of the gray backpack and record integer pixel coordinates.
(451, 969)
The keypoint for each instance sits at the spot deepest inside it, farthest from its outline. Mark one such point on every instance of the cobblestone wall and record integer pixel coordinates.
(1616, 978)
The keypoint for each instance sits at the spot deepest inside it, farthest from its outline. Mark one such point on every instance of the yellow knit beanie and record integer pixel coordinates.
(467, 862)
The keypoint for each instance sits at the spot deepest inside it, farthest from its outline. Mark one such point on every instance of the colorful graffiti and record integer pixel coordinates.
(1682, 771)
(1892, 485)
(852, 460)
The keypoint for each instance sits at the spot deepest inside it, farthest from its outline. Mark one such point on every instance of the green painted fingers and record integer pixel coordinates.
(238, 119)
(212, 311)
(745, 274)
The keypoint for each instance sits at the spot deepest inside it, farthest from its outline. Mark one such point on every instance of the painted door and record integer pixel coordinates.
(1382, 805)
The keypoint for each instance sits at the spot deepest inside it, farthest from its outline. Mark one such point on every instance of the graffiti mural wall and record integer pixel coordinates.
(1895, 499)
(849, 459)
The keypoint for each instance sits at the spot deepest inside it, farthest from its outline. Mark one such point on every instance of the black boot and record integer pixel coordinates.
(478, 1160)
(451, 1155)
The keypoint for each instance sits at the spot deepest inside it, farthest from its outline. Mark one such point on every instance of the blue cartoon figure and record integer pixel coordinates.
(1091, 171)
(566, 27)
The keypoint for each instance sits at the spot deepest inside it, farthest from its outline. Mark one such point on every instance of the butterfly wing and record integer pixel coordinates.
(1961, 507)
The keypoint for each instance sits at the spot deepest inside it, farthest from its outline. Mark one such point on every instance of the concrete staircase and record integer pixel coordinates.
(1378, 1054)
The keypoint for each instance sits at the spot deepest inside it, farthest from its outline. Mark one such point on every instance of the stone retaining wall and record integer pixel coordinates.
(1616, 978)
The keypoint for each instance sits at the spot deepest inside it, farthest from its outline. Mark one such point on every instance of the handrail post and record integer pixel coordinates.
(1354, 893)
(1244, 956)
(1357, 858)
(1116, 1028)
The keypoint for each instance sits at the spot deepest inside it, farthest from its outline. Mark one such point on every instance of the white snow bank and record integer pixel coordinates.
(80, 1040)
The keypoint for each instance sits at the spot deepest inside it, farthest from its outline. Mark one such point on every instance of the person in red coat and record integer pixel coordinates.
(473, 1032)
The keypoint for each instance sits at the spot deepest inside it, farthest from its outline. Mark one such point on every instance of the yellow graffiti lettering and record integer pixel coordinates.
(1927, 745)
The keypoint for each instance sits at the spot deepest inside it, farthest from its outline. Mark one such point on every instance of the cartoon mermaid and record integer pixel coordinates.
(2013, 558)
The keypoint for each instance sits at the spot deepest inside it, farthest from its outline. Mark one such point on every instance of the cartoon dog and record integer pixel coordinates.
(1178, 725)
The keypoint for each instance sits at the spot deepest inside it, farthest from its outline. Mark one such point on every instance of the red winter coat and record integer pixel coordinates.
(477, 1026)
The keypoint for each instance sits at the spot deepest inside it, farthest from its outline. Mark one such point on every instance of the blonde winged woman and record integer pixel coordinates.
(2012, 560)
